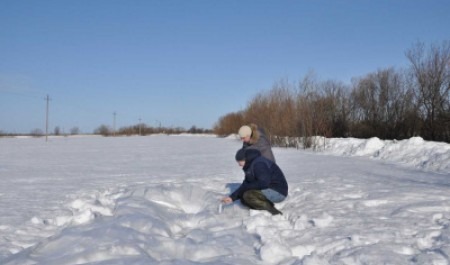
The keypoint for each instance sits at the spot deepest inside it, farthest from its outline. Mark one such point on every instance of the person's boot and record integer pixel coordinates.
(273, 210)
(255, 199)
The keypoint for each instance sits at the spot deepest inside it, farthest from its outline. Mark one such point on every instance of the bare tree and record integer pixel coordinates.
(258, 112)
(338, 109)
(381, 102)
(37, 133)
(103, 130)
(431, 69)
(304, 108)
(74, 131)
(281, 109)
(229, 124)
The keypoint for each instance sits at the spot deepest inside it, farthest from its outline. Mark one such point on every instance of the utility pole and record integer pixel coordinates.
(159, 128)
(140, 127)
(114, 124)
(46, 118)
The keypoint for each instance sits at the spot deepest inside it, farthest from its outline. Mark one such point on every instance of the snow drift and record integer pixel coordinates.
(415, 152)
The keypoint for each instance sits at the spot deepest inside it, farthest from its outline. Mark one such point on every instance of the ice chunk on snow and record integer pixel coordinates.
(301, 250)
(275, 252)
(84, 217)
(323, 221)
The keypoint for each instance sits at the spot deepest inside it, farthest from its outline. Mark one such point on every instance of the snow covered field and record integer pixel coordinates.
(155, 200)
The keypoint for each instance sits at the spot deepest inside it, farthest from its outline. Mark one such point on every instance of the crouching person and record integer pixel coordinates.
(264, 182)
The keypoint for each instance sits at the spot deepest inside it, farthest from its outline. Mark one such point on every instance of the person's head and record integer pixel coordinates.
(245, 133)
(240, 157)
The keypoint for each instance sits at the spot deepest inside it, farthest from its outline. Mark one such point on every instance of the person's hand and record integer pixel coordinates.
(227, 200)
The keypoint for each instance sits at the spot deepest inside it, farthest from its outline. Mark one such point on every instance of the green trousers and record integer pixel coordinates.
(255, 199)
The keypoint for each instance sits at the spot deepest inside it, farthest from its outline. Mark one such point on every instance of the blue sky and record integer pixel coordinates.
(185, 63)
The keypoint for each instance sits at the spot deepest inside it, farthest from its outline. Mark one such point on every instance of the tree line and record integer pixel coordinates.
(388, 103)
(105, 130)
(143, 129)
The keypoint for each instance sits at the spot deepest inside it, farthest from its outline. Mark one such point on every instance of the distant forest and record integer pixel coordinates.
(142, 129)
(105, 130)
(388, 103)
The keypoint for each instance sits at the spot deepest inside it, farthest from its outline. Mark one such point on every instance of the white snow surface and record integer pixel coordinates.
(155, 200)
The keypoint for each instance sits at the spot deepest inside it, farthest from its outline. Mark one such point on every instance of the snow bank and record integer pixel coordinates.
(233, 137)
(415, 152)
(195, 135)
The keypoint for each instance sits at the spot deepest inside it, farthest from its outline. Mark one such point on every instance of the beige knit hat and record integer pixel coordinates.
(245, 131)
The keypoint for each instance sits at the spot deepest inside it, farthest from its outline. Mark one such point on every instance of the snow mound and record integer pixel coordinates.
(415, 152)
(195, 135)
(233, 136)
(143, 225)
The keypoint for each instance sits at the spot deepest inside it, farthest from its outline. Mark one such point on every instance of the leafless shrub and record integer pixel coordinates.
(229, 124)
(388, 103)
(431, 69)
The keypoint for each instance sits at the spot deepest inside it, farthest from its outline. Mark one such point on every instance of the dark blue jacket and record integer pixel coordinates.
(260, 174)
